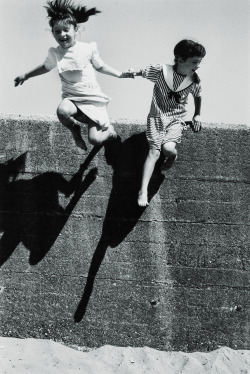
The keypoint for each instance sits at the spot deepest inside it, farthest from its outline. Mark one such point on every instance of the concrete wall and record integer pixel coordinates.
(82, 264)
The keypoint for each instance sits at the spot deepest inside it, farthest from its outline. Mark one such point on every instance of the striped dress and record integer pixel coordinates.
(168, 107)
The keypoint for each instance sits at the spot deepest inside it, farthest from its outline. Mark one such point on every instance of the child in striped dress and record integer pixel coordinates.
(165, 123)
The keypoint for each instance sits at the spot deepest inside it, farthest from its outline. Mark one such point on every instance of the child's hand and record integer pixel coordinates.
(196, 123)
(20, 80)
(127, 74)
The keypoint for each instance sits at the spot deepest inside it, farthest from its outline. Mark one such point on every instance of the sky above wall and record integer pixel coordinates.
(133, 33)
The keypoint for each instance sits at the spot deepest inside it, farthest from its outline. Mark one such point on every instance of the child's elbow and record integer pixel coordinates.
(100, 69)
(44, 69)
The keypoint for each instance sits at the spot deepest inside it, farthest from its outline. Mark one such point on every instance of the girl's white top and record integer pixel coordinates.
(76, 66)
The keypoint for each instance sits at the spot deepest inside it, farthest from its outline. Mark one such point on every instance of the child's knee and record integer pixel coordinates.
(169, 149)
(94, 140)
(66, 110)
(62, 112)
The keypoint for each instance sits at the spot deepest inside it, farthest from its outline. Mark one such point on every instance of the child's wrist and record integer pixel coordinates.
(135, 72)
(126, 74)
(197, 116)
(138, 72)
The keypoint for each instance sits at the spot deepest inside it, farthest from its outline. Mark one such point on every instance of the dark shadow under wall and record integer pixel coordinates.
(30, 211)
(127, 159)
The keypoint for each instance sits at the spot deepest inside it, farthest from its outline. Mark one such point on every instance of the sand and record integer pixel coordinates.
(37, 356)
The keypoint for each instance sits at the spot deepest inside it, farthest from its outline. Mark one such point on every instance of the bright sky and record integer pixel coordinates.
(133, 33)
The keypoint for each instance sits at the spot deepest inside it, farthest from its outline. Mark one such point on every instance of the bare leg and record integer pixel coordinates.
(98, 135)
(147, 172)
(170, 152)
(66, 112)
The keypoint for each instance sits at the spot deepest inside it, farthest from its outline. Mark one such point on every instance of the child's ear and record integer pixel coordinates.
(180, 60)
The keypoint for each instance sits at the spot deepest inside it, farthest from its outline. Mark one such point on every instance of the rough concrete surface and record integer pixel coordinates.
(82, 264)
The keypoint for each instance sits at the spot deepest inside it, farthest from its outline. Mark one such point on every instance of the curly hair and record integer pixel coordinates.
(65, 10)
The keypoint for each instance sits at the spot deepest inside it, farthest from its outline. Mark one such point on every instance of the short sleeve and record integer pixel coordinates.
(50, 61)
(95, 58)
(152, 72)
(196, 92)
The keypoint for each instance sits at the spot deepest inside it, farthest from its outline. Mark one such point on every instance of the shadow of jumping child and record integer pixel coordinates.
(30, 212)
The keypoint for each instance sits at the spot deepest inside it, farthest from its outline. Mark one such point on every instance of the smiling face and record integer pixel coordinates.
(64, 33)
(188, 66)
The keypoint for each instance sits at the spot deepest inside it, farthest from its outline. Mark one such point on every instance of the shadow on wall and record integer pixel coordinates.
(127, 159)
(30, 212)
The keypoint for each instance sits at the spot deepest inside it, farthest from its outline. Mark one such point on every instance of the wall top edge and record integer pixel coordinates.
(117, 121)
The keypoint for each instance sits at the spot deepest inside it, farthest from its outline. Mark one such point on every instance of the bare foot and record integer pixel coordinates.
(76, 132)
(142, 199)
(168, 163)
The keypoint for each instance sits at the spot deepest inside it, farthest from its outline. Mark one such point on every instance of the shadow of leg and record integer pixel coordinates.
(93, 270)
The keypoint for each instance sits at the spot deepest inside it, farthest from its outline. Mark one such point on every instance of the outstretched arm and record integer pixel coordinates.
(105, 69)
(197, 114)
(39, 70)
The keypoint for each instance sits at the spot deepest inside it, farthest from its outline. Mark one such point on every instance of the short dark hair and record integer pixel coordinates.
(188, 48)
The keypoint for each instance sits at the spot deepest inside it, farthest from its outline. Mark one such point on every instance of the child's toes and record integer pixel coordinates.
(142, 199)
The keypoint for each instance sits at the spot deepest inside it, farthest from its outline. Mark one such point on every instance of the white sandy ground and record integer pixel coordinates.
(37, 356)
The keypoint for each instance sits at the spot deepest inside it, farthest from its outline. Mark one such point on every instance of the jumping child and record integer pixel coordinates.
(165, 122)
(76, 61)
